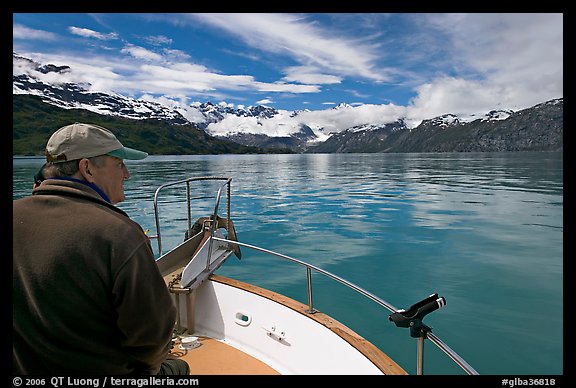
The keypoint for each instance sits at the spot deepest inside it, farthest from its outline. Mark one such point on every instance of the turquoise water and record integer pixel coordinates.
(484, 230)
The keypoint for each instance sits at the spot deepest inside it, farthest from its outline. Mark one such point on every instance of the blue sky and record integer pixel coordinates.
(413, 64)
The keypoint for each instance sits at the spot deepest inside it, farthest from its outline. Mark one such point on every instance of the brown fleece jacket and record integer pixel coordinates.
(88, 297)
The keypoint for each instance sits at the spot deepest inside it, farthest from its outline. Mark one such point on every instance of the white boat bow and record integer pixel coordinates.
(226, 326)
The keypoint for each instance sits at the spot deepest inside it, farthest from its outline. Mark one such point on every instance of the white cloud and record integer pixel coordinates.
(176, 55)
(22, 32)
(336, 120)
(158, 40)
(285, 88)
(141, 53)
(510, 61)
(309, 75)
(307, 43)
(87, 33)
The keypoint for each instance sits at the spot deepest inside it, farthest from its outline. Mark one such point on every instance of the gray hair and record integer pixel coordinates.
(69, 168)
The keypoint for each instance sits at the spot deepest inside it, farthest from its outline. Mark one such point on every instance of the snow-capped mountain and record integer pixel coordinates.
(75, 96)
(343, 128)
(218, 120)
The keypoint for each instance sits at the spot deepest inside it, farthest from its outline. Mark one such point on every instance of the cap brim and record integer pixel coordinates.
(128, 153)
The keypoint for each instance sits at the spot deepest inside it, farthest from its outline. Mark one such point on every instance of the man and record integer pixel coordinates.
(88, 297)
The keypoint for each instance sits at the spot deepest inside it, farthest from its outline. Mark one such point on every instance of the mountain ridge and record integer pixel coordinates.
(223, 128)
(34, 121)
(539, 128)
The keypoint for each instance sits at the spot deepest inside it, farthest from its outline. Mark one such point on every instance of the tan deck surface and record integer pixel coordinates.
(213, 357)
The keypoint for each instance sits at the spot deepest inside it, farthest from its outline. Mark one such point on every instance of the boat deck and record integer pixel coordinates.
(214, 357)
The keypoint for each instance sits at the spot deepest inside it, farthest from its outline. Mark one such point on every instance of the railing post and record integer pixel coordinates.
(188, 207)
(178, 318)
(309, 278)
(420, 360)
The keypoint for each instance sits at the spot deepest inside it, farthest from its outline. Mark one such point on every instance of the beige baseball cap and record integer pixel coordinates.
(78, 140)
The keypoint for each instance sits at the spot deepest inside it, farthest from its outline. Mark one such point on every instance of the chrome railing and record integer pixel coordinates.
(158, 235)
(426, 333)
(309, 268)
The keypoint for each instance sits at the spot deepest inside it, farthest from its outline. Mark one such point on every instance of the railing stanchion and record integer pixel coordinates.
(420, 360)
(309, 278)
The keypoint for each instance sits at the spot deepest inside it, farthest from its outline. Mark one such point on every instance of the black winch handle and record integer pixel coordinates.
(413, 317)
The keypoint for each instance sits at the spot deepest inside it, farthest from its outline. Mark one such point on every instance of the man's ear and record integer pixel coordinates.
(84, 170)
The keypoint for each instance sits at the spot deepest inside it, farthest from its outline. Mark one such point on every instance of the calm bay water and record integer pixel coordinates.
(484, 230)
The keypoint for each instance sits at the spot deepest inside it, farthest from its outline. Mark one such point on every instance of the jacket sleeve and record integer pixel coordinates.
(146, 312)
